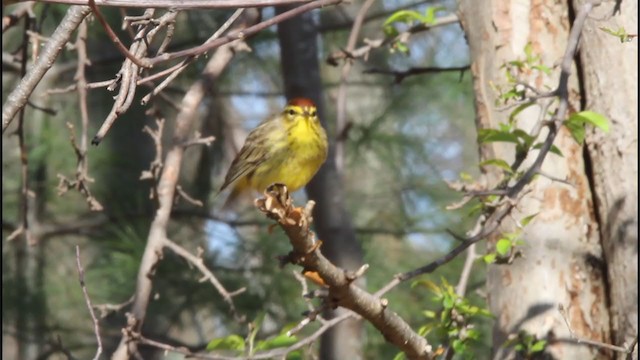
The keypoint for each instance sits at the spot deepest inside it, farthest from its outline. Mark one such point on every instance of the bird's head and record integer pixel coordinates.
(300, 108)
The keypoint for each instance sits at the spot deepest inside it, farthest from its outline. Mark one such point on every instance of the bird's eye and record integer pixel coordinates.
(291, 112)
(313, 113)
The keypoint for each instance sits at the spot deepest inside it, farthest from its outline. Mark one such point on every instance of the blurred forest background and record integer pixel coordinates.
(405, 138)
(398, 141)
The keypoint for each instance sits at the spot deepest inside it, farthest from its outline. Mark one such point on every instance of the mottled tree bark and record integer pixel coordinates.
(562, 252)
(301, 72)
(610, 78)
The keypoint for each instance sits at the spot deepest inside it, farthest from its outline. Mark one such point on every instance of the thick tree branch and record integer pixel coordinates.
(296, 223)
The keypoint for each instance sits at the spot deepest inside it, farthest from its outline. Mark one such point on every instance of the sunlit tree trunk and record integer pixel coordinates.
(562, 263)
(610, 75)
(301, 72)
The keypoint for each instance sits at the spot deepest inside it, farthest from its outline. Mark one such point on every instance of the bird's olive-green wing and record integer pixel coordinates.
(254, 152)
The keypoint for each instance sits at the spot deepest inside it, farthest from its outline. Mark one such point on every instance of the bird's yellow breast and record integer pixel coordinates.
(304, 149)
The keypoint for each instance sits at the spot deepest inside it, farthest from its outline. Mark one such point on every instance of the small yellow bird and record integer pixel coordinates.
(287, 148)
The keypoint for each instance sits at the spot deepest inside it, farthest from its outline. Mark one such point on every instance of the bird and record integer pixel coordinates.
(287, 148)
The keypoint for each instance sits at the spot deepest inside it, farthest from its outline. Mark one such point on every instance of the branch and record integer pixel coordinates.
(180, 4)
(296, 222)
(198, 262)
(401, 75)
(18, 98)
(96, 325)
(166, 190)
(341, 107)
(363, 51)
(243, 34)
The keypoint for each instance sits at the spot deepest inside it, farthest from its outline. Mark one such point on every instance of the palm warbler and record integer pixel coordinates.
(287, 148)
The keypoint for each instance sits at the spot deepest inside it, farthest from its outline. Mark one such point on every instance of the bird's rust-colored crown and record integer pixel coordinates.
(302, 102)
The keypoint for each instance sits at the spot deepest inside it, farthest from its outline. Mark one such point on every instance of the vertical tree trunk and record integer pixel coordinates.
(610, 76)
(301, 72)
(562, 246)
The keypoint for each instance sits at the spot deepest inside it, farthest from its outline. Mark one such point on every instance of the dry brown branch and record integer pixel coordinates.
(198, 262)
(244, 33)
(129, 73)
(112, 35)
(399, 76)
(341, 106)
(181, 4)
(296, 223)
(96, 325)
(82, 178)
(363, 51)
(18, 98)
(21, 10)
(599, 344)
(24, 160)
(178, 68)
(106, 309)
(166, 189)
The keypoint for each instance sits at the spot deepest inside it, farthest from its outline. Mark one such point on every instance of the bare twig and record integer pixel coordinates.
(341, 106)
(96, 325)
(181, 4)
(112, 35)
(208, 275)
(19, 11)
(598, 344)
(177, 69)
(363, 51)
(166, 189)
(18, 98)
(106, 309)
(401, 75)
(243, 34)
(24, 159)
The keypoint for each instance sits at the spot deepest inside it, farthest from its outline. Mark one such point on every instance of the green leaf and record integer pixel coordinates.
(519, 109)
(430, 14)
(621, 33)
(429, 285)
(448, 301)
(490, 258)
(430, 314)
(593, 118)
(538, 346)
(399, 356)
(577, 130)
(527, 219)
(554, 149)
(405, 16)
(279, 341)
(458, 346)
(493, 135)
(499, 163)
(231, 342)
(503, 246)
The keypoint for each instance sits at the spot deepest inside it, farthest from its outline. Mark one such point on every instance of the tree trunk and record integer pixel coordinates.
(561, 258)
(610, 77)
(301, 72)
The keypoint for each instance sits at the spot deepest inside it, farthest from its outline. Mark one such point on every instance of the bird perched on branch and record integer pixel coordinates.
(288, 148)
